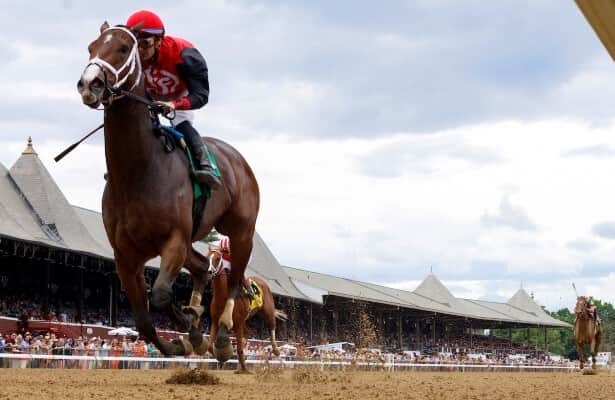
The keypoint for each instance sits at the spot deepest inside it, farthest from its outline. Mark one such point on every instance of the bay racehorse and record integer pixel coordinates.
(148, 198)
(243, 310)
(586, 331)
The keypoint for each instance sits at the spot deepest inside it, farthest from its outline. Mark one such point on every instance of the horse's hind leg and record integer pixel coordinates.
(268, 313)
(198, 266)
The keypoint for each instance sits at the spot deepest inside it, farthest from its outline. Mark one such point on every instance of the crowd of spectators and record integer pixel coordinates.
(460, 349)
(50, 344)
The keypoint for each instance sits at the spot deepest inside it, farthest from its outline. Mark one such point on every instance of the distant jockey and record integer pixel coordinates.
(225, 250)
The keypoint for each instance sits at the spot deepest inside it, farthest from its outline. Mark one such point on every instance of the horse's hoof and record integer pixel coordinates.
(202, 348)
(243, 372)
(186, 347)
(222, 339)
(223, 354)
(185, 324)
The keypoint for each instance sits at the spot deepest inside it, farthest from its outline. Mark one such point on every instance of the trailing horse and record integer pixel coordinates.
(245, 308)
(587, 330)
(147, 204)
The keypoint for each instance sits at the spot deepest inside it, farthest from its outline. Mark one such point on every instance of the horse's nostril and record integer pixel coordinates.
(97, 84)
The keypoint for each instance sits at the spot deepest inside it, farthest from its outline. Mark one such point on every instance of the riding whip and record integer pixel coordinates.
(72, 146)
(575, 290)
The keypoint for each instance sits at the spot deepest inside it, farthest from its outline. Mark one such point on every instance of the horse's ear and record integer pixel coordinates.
(137, 28)
(104, 26)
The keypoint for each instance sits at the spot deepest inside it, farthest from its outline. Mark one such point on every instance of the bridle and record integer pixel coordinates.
(132, 65)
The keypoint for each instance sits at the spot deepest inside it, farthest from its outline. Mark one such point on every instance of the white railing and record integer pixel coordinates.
(22, 360)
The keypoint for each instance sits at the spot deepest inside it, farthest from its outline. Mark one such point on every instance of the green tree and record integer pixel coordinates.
(561, 341)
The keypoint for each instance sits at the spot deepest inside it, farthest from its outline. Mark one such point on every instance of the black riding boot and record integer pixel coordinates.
(203, 172)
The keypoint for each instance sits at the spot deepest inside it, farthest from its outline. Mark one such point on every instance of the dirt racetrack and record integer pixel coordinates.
(303, 385)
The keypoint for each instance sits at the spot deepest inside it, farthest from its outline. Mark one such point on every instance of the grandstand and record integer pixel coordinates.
(57, 256)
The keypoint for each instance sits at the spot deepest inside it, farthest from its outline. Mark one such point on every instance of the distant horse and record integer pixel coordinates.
(148, 198)
(586, 331)
(242, 311)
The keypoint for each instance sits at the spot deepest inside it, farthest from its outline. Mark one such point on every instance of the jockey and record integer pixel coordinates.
(176, 77)
(591, 309)
(225, 249)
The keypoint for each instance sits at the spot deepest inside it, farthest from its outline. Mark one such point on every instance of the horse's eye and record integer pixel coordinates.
(124, 49)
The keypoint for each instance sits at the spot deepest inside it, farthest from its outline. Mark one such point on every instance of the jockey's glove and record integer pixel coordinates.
(166, 108)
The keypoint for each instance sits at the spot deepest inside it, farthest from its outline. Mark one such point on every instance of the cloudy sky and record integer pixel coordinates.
(475, 139)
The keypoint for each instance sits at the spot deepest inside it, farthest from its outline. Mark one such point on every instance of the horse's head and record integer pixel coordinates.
(114, 63)
(581, 306)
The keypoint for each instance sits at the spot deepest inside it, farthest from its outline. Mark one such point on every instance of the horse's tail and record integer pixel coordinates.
(281, 315)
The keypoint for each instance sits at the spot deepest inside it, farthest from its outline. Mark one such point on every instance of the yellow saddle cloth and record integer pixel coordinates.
(257, 301)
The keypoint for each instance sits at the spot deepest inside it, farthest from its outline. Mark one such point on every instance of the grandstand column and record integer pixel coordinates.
(418, 333)
(80, 306)
(335, 317)
(114, 286)
(546, 342)
(47, 286)
(400, 331)
(311, 326)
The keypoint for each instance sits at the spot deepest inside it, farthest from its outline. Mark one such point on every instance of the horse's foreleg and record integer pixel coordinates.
(593, 349)
(173, 256)
(198, 267)
(212, 336)
(135, 288)
(241, 344)
(241, 250)
(581, 355)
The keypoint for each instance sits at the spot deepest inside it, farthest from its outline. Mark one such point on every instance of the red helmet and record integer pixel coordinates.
(152, 24)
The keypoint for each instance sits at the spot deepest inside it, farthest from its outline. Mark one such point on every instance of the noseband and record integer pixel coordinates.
(132, 63)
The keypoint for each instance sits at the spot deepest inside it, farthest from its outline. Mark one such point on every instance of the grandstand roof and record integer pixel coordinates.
(34, 209)
(431, 295)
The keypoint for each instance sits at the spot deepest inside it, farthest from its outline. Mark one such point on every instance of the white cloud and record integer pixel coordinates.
(380, 141)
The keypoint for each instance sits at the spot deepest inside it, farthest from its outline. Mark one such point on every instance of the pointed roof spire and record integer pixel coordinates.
(29, 149)
(525, 302)
(433, 289)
